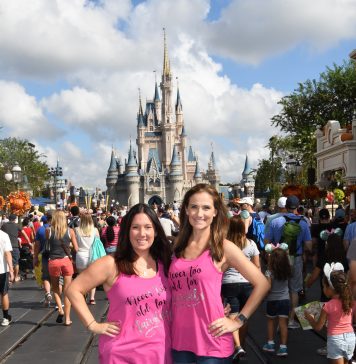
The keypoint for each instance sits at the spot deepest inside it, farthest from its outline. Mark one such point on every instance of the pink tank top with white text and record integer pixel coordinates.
(142, 307)
(196, 302)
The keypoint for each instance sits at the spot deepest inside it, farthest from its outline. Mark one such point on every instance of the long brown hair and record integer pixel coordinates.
(342, 288)
(125, 255)
(236, 232)
(279, 265)
(218, 227)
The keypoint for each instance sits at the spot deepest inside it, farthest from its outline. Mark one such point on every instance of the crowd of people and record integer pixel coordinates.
(182, 281)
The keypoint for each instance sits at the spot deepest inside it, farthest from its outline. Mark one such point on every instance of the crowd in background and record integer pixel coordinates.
(60, 243)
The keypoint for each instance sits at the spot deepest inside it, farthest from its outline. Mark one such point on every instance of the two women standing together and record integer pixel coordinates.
(169, 311)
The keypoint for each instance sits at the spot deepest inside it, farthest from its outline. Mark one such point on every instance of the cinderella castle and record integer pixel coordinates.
(163, 167)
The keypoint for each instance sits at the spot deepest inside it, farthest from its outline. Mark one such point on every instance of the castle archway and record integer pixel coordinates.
(155, 200)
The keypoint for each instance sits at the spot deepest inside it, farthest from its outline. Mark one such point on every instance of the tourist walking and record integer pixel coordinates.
(277, 234)
(60, 262)
(235, 288)
(85, 234)
(110, 235)
(338, 312)
(201, 256)
(278, 303)
(136, 284)
(13, 229)
(6, 276)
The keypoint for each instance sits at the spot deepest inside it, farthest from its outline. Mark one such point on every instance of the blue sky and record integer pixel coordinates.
(70, 72)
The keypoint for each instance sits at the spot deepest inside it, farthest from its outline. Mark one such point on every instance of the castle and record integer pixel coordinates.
(164, 167)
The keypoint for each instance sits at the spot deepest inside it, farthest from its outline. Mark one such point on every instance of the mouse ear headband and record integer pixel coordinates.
(270, 247)
(329, 268)
(325, 233)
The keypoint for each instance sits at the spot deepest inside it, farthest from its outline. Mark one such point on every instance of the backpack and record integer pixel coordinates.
(74, 222)
(96, 250)
(290, 233)
(256, 230)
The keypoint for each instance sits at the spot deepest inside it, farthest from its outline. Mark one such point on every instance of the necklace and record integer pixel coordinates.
(143, 272)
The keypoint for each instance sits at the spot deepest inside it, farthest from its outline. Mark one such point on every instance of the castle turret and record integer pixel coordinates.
(167, 122)
(212, 173)
(141, 128)
(132, 179)
(176, 176)
(198, 178)
(111, 177)
(157, 102)
(179, 114)
(247, 169)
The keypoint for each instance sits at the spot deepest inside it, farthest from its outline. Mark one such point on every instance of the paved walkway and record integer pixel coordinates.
(35, 337)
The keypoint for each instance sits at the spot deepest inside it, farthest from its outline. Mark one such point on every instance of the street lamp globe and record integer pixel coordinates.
(17, 173)
(8, 176)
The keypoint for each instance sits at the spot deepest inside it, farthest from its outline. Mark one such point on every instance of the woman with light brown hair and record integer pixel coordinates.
(202, 255)
(85, 234)
(60, 239)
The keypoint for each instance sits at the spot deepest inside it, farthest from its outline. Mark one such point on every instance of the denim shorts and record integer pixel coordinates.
(279, 308)
(4, 283)
(15, 253)
(341, 346)
(187, 357)
(296, 281)
(236, 294)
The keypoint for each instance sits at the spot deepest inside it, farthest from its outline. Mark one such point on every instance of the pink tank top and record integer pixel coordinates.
(196, 302)
(142, 306)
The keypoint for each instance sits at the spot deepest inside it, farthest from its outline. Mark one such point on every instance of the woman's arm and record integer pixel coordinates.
(102, 271)
(235, 258)
(73, 239)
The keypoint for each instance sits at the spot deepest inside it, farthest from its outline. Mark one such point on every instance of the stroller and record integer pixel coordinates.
(26, 262)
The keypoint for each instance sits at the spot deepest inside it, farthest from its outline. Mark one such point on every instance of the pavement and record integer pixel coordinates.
(35, 337)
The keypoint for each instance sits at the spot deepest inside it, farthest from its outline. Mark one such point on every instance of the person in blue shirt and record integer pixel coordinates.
(274, 235)
(40, 241)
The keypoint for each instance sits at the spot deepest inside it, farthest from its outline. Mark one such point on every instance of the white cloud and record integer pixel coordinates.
(101, 52)
(250, 31)
(20, 114)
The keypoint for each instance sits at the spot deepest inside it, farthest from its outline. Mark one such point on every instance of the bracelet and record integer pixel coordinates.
(91, 324)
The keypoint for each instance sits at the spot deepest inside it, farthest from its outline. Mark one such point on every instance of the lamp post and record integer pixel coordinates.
(55, 172)
(293, 167)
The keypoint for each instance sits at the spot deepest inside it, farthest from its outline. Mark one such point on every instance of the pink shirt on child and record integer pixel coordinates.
(142, 307)
(338, 321)
(196, 302)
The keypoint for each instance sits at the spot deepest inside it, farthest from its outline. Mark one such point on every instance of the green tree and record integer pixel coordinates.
(30, 160)
(313, 104)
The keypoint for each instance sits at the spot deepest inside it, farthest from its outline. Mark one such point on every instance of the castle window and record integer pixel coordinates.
(151, 128)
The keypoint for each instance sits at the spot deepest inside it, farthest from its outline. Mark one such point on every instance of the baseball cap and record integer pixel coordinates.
(12, 217)
(282, 202)
(292, 202)
(324, 214)
(247, 200)
(44, 219)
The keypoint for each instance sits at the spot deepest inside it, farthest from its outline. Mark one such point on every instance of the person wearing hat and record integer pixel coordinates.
(12, 229)
(274, 235)
(281, 204)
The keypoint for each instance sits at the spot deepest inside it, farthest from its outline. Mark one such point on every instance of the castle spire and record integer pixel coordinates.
(166, 64)
(247, 168)
(132, 160)
(176, 165)
(140, 121)
(178, 102)
(113, 165)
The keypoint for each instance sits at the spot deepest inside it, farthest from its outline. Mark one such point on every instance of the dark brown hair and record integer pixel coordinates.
(341, 286)
(125, 255)
(334, 249)
(236, 232)
(218, 228)
(279, 265)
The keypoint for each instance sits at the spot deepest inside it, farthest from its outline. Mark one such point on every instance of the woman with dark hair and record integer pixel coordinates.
(235, 288)
(110, 235)
(135, 281)
(202, 254)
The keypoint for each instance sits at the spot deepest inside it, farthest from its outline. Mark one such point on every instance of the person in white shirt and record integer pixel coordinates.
(6, 276)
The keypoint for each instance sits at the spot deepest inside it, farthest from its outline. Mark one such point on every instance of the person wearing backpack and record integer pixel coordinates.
(254, 224)
(294, 231)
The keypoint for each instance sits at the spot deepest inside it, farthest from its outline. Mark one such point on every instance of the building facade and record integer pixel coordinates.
(163, 167)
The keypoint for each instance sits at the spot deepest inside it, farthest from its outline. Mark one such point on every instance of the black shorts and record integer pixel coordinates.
(4, 283)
